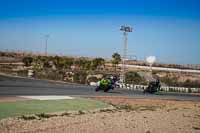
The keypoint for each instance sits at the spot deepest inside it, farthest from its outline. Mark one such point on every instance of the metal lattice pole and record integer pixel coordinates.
(125, 30)
(124, 56)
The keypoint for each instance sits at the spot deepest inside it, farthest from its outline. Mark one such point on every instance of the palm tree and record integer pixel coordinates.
(116, 58)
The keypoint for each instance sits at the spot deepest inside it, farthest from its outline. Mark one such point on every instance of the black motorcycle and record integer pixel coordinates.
(153, 87)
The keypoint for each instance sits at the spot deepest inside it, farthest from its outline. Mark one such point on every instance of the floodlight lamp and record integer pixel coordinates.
(126, 28)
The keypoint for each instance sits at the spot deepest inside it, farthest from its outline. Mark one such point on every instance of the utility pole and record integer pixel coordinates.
(125, 30)
(46, 43)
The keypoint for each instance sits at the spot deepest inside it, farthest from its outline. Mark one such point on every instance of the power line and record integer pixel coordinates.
(46, 43)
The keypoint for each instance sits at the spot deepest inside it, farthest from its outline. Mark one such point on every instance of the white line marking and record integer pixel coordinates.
(54, 97)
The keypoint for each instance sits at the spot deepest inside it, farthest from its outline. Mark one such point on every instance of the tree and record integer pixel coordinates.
(57, 61)
(88, 65)
(85, 64)
(45, 61)
(116, 58)
(81, 62)
(37, 63)
(97, 63)
(27, 61)
(68, 63)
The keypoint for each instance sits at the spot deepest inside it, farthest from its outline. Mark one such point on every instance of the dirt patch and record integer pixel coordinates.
(162, 103)
(128, 115)
(12, 99)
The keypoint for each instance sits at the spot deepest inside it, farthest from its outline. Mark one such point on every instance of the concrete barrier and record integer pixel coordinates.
(162, 88)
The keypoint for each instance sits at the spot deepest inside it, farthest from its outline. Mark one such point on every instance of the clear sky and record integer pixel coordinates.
(167, 29)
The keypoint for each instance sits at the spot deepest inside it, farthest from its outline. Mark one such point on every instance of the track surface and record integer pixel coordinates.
(13, 86)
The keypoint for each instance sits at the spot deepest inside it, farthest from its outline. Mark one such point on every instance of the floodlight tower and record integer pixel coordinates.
(125, 30)
(46, 43)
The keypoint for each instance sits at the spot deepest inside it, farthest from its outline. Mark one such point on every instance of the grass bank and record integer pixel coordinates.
(10, 109)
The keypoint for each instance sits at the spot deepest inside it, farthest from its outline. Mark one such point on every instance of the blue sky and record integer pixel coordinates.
(167, 29)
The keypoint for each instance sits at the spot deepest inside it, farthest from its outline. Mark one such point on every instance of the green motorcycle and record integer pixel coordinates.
(105, 85)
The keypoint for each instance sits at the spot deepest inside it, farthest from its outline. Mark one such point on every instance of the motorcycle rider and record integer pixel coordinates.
(105, 83)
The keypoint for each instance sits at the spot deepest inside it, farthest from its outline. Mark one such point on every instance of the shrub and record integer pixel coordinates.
(134, 78)
(22, 73)
(170, 81)
(80, 77)
(92, 79)
(27, 61)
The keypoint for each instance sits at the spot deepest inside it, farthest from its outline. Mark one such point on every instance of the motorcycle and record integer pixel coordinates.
(106, 85)
(153, 87)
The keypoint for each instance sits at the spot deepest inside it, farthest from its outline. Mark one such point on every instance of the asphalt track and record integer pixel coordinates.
(14, 86)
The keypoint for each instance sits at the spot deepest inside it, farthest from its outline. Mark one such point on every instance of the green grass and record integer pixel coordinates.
(10, 109)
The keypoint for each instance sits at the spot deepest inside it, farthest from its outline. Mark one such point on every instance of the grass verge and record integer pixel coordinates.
(10, 109)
